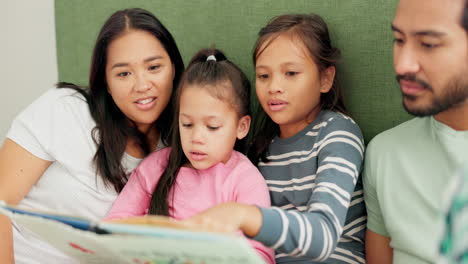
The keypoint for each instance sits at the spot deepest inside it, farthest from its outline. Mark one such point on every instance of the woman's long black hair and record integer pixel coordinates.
(312, 30)
(213, 76)
(113, 128)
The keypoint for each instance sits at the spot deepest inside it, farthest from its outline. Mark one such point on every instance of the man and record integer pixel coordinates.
(408, 167)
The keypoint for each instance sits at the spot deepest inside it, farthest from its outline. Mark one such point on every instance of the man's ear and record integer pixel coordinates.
(326, 79)
(243, 126)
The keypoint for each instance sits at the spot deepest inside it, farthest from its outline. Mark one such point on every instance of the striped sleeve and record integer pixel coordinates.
(314, 230)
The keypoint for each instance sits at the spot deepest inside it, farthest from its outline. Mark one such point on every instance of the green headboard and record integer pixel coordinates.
(360, 28)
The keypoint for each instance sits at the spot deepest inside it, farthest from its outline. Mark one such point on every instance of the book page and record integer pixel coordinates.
(139, 244)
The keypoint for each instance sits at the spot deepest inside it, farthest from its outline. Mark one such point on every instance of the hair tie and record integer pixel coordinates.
(211, 57)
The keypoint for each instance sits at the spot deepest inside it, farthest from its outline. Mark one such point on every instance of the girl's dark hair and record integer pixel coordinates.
(113, 128)
(223, 80)
(312, 31)
(465, 17)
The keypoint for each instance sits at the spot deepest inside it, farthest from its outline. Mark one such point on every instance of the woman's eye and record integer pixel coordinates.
(123, 74)
(187, 125)
(154, 67)
(213, 127)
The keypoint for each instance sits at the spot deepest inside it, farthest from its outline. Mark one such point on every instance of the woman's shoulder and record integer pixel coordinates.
(55, 121)
(60, 94)
(63, 96)
(62, 108)
(56, 100)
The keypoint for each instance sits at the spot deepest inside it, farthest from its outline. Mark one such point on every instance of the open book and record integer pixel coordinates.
(157, 241)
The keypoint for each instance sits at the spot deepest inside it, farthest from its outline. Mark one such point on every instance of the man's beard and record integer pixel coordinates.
(454, 93)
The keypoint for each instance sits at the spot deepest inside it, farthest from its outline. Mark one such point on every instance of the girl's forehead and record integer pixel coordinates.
(283, 50)
(286, 42)
(221, 92)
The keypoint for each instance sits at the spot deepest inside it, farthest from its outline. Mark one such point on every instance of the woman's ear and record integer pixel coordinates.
(326, 79)
(243, 126)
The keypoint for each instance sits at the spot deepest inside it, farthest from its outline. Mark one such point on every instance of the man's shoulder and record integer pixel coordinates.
(401, 135)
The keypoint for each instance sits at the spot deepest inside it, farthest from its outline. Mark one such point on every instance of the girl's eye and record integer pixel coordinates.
(291, 73)
(398, 41)
(187, 125)
(154, 67)
(123, 74)
(262, 76)
(212, 127)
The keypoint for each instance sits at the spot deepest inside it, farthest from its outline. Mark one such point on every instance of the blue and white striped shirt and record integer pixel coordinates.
(314, 183)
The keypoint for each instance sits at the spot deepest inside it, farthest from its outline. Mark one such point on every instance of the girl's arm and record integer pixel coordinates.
(247, 190)
(228, 218)
(314, 232)
(251, 189)
(315, 229)
(19, 171)
(133, 200)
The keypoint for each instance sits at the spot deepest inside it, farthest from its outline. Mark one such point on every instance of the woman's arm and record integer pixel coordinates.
(6, 243)
(19, 171)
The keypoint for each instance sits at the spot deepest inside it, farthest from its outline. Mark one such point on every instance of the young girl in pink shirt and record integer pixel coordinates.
(203, 167)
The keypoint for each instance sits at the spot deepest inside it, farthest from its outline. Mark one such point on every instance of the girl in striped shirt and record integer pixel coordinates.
(309, 151)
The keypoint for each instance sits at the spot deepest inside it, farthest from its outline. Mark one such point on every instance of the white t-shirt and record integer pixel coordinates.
(57, 127)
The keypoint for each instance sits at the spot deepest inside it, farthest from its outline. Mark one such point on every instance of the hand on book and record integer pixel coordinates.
(148, 239)
(227, 218)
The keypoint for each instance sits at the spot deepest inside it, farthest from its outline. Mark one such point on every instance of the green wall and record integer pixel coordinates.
(360, 28)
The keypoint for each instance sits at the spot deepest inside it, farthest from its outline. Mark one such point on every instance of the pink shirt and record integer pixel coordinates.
(195, 190)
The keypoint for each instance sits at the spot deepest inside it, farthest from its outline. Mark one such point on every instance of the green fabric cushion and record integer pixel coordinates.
(360, 28)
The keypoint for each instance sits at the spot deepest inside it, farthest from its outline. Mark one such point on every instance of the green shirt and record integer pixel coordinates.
(454, 246)
(407, 170)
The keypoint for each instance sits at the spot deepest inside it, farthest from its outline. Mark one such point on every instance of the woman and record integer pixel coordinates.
(72, 149)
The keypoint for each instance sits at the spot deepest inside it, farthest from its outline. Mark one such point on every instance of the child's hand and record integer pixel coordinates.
(228, 218)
